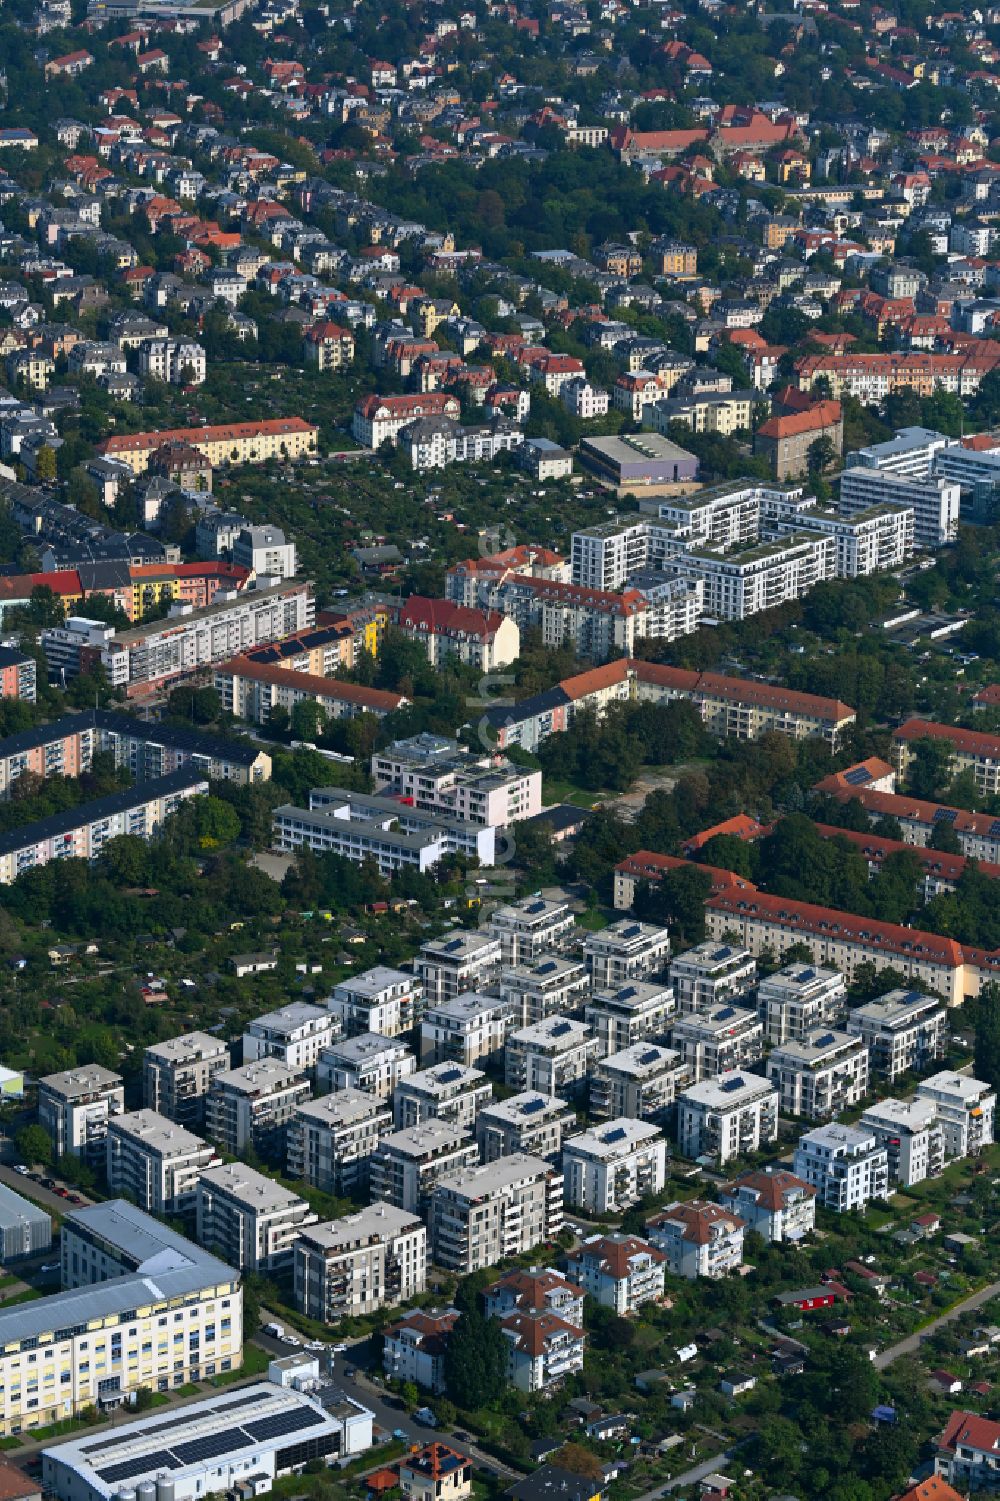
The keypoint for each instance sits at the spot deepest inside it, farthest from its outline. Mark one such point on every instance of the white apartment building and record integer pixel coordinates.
(967, 1108)
(640, 1081)
(464, 1029)
(382, 1000)
(369, 1062)
(440, 776)
(902, 1030)
(699, 1239)
(331, 1140)
(155, 1162)
(912, 1134)
(614, 1165)
(176, 362)
(488, 1214)
(553, 1057)
(295, 1035)
(531, 927)
(934, 501)
(727, 1117)
(358, 1264)
(621, 1272)
(266, 551)
(799, 997)
(715, 1041)
(846, 1165)
(248, 1220)
(414, 1347)
(406, 1164)
(74, 1107)
(549, 986)
(583, 400)
(176, 1075)
(529, 1122)
(712, 974)
(542, 1349)
(773, 1202)
(456, 962)
(635, 1011)
(738, 585)
(445, 1092)
(252, 1105)
(820, 1075)
(623, 951)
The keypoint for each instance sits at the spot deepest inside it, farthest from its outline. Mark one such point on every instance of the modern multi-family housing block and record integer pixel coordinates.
(933, 500)
(395, 836)
(369, 1062)
(635, 1011)
(548, 986)
(699, 1239)
(967, 1108)
(457, 961)
(614, 1165)
(295, 1035)
(714, 1041)
(710, 975)
(445, 1092)
(640, 1081)
(820, 1075)
(406, 1164)
(252, 1105)
(542, 1349)
(464, 1029)
(625, 951)
(847, 1166)
(155, 1162)
(381, 1000)
(331, 1140)
(621, 1272)
(440, 776)
(913, 1136)
(727, 1117)
(799, 997)
(531, 927)
(176, 1075)
(74, 1107)
(902, 1030)
(542, 1289)
(414, 1346)
(529, 1122)
(487, 1214)
(360, 1263)
(247, 1219)
(773, 1202)
(553, 1057)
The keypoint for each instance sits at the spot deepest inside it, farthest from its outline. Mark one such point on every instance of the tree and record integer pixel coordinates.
(987, 1047)
(475, 1361)
(579, 1461)
(35, 1145)
(930, 768)
(45, 465)
(308, 720)
(944, 839)
(821, 454)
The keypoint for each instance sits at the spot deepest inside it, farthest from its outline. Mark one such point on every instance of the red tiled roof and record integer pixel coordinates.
(840, 927)
(770, 1187)
(875, 768)
(741, 826)
(223, 433)
(698, 1217)
(531, 1288)
(441, 616)
(934, 862)
(615, 1253)
(823, 414)
(376, 699)
(973, 1432)
(647, 866)
(532, 1331)
(971, 742)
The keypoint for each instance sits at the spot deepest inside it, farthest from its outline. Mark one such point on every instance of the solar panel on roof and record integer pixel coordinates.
(157, 1459)
(856, 776)
(945, 815)
(724, 1013)
(283, 1422)
(209, 1445)
(450, 1075)
(532, 1107)
(995, 828)
(728, 1086)
(649, 1056)
(547, 967)
(618, 1134)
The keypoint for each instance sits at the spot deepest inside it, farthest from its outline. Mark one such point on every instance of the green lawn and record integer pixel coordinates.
(595, 919)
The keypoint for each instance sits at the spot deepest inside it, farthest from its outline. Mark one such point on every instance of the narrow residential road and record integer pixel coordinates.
(692, 1476)
(911, 1343)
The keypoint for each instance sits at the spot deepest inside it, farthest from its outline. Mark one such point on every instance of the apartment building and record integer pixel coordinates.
(361, 828)
(176, 362)
(456, 962)
(358, 1264)
(631, 1013)
(912, 1134)
(772, 1202)
(369, 1062)
(550, 985)
(464, 1029)
(488, 1214)
(698, 1239)
(640, 1081)
(331, 1140)
(230, 443)
(710, 975)
(846, 1165)
(934, 501)
(971, 750)
(903, 1030)
(440, 776)
(295, 1035)
(623, 951)
(540, 1290)
(798, 998)
(966, 1107)
(621, 1272)
(531, 927)
(247, 1219)
(414, 1347)
(873, 377)
(542, 1350)
(967, 1454)
(726, 1117)
(155, 1162)
(530, 1122)
(614, 1165)
(444, 1092)
(382, 1000)
(553, 1057)
(75, 1106)
(18, 675)
(820, 1074)
(176, 1075)
(786, 442)
(715, 1041)
(252, 689)
(406, 1164)
(252, 1106)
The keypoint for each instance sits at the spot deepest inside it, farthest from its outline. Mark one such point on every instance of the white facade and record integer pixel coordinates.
(935, 501)
(487, 1214)
(155, 1162)
(382, 1000)
(615, 1164)
(548, 986)
(252, 1105)
(727, 1117)
(331, 1140)
(406, 1164)
(360, 1263)
(464, 1029)
(710, 974)
(774, 1203)
(249, 1220)
(913, 1136)
(295, 1035)
(528, 1122)
(903, 1030)
(714, 1041)
(819, 1076)
(553, 1057)
(799, 997)
(457, 961)
(622, 1272)
(698, 1239)
(624, 951)
(967, 1108)
(635, 1011)
(369, 1062)
(176, 1075)
(75, 1107)
(639, 1081)
(847, 1166)
(443, 1092)
(176, 362)
(532, 927)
